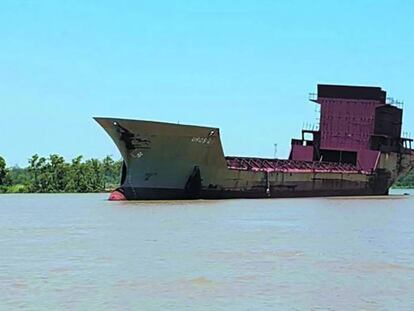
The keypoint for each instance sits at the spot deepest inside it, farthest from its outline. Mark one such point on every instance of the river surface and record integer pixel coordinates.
(81, 252)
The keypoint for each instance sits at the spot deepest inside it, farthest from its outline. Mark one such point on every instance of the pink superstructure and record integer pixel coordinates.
(356, 125)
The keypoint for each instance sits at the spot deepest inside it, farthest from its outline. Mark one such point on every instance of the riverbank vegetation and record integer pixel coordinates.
(55, 175)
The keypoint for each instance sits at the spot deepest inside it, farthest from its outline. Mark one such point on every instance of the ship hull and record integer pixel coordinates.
(165, 161)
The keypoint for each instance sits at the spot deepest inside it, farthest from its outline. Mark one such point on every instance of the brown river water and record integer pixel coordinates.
(81, 252)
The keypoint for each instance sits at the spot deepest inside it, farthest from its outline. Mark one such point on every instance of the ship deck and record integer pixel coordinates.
(289, 166)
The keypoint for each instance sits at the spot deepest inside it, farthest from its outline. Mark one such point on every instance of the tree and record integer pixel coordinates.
(111, 171)
(57, 172)
(3, 172)
(75, 176)
(95, 175)
(107, 168)
(38, 169)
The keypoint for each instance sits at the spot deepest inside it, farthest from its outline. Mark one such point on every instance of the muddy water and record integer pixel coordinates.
(80, 252)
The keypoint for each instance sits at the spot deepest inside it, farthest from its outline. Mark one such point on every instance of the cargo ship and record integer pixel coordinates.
(356, 150)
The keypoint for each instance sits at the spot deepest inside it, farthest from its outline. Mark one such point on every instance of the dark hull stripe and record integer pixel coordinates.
(180, 194)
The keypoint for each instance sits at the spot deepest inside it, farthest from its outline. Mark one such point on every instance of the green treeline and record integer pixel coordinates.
(54, 174)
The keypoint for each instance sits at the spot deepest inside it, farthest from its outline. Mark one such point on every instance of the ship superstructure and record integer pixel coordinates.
(357, 150)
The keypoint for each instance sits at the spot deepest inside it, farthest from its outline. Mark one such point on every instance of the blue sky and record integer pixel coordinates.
(244, 66)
